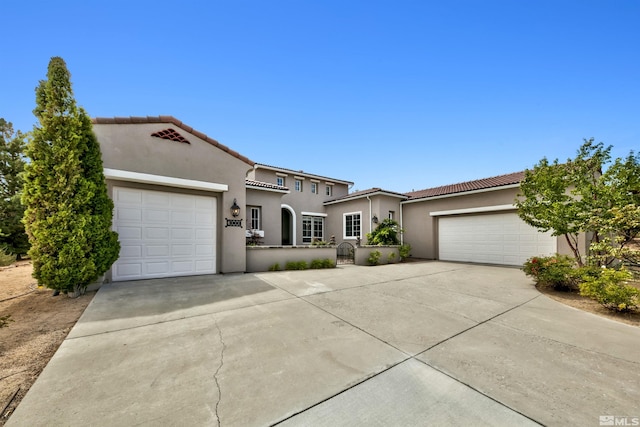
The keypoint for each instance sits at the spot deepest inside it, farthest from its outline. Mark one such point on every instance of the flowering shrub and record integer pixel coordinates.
(556, 271)
(611, 289)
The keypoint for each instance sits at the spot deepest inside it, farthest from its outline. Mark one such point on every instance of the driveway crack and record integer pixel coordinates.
(215, 375)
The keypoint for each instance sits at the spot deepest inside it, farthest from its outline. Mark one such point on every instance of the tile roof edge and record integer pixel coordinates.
(176, 122)
(414, 195)
(293, 171)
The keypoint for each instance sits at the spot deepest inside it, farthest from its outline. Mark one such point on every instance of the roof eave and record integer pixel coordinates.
(461, 193)
(176, 122)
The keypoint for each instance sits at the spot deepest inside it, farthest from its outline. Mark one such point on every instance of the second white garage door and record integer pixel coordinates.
(501, 238)
(163, 234)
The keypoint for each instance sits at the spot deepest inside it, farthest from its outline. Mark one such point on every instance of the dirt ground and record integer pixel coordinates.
(40, 324)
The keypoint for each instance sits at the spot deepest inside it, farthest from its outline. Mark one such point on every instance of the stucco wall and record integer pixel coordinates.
(421, 228)
(304, 201)
(269, 203)
(260, 258)
(363, 253)
(130, 147)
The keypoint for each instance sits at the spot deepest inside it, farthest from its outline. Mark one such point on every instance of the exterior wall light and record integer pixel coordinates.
(235, 209)
(374, 219)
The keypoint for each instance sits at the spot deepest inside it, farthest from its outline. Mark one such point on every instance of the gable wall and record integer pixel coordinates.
(130, 147)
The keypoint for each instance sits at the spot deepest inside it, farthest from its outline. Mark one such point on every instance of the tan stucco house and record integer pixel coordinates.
(186, 205)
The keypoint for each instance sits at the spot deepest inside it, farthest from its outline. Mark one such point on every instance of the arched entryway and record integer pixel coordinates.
(288, 218)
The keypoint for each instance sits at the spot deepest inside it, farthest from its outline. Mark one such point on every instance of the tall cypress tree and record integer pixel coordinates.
(68, 213)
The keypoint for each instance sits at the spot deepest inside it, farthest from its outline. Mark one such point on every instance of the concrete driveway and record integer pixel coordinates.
(408, 344)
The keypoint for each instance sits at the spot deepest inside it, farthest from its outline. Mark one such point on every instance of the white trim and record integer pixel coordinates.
(301, 178)
(344, 225)
(364, 196)
(293, 225)
(274, 190)
(464, 193)
(282, 174)
(169, 181)
(314, 214)
(474, 210)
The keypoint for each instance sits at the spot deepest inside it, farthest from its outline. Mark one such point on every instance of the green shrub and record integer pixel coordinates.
(274, 267)
(4, 321)
(391, 257)
(296, 265)
(404, 251)
(328, 263)
(556, 271)
(374, 257)
(316, 264)
(6, 259)
(610, 288)
(385, 234)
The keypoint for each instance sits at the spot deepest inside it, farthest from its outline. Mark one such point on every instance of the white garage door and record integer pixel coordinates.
(501, 238)
(163, 234)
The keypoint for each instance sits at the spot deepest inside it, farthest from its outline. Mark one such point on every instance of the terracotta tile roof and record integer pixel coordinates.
(267, 185)
(300, 172)
(174, 121)
(478, 184)
(171, 135)
(368, 192)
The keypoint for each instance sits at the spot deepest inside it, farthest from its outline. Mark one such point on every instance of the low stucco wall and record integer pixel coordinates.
(260, 258)
(363, 253)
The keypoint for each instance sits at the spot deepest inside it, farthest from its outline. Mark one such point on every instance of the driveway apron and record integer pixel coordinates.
(430, 343)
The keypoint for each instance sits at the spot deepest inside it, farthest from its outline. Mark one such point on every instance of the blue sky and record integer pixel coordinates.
(395, 94)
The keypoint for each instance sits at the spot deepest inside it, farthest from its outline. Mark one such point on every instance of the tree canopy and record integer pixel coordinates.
(68, 212)
(581, 196)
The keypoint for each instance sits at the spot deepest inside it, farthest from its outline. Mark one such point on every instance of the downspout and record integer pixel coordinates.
(370, 216)
(401, 234)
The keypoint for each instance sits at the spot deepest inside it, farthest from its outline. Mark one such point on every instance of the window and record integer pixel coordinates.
(391, 214)
(312, 228)
(328, 190)
(352, 225)
(298, 186)
(254, 218)
(280, 181)
(314, 188)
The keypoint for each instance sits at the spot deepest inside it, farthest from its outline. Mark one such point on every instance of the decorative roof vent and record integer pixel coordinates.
(171, 135)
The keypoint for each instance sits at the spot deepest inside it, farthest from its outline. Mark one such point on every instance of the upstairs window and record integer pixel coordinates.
(298, 186)
(314, 188)
(280, 181)
(328, 191)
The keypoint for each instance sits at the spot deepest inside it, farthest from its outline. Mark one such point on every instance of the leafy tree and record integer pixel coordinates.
(385, 234)
(13, 238)
(577, 197)
(68, 213)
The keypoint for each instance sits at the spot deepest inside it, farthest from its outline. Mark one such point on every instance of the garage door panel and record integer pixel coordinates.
(156, 216)
(182, 267)
(156, 233)
(163, 234)
(129, 233)
(501, 238)
(130, 251)
(204, 250)
(128, 214)
(157, 251)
